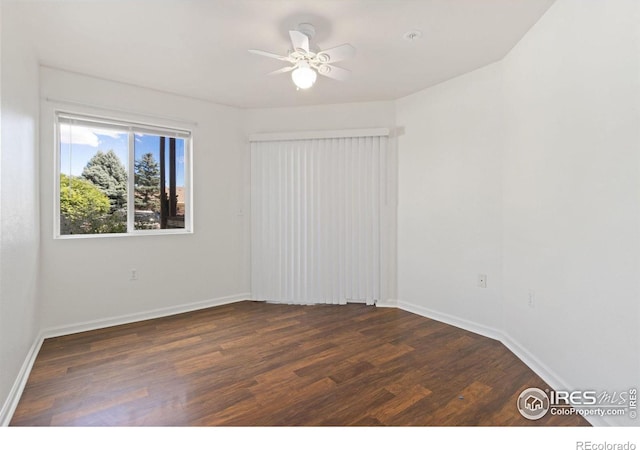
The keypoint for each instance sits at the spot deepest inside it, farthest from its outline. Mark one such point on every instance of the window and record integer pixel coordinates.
(116, 177)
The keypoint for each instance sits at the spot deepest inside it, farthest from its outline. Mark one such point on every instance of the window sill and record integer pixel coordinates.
(170, 232)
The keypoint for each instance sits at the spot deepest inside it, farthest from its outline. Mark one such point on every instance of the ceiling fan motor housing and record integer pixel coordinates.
(307, 29)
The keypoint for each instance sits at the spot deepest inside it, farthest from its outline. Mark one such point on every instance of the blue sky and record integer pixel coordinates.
(78, 144)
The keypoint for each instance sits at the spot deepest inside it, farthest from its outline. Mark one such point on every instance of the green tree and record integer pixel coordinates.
(147, 180)
(106, 171)
(82, 206)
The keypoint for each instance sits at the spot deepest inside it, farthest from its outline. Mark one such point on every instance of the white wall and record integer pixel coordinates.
(19, 223)
(529, 170)
(323, 117)
(450, 190)
(572, 193)
(87, 280)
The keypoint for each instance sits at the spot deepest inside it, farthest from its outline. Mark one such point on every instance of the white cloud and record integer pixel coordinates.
(79, 135)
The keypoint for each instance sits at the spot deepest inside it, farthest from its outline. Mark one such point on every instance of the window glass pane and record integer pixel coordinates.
(117, 177)
(159, 182)
(93, 180)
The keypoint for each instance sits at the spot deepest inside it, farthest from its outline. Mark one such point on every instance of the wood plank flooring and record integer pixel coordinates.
(258, 364)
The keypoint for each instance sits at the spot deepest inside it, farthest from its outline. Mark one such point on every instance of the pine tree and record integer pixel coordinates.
(106, 171)
(147, 179)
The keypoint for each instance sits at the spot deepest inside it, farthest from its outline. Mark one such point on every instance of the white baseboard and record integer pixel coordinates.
(13, 398)
(458, 322)
(388, 303)
(15, 393)
(548, 375)
(146, 315)
(537, 366)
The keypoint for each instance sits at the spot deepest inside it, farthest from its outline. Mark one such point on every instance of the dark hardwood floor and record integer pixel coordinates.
(259, 364)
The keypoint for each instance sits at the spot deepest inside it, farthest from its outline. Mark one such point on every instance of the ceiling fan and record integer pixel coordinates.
(308, 63)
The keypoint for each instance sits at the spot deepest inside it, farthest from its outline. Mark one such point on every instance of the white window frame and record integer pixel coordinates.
(131, 127)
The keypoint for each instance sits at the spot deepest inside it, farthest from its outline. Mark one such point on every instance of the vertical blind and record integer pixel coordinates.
(315, 219)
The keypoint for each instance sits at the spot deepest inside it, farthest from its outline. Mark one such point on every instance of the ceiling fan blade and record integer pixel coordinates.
(283, 70)
(337, 73)
(268, 54)
(335, 54)
(299, 40)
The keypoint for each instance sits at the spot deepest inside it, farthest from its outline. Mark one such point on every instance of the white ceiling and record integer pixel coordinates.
(199, 48)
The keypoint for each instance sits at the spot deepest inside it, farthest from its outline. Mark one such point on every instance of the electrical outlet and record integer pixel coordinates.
(134, 275)
(532, 298)
(482, 280)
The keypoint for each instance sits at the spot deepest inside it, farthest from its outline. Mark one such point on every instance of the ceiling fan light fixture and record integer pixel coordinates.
(307, 62)
(304, 76)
